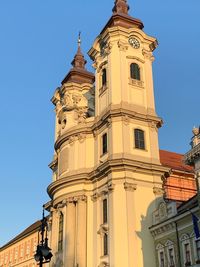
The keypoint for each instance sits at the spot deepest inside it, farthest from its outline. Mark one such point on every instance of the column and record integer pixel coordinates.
(70, 234)
(81, 231)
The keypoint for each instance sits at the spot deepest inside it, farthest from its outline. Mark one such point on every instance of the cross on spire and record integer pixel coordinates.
(121, 6)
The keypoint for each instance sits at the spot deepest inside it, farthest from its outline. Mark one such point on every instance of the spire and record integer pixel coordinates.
(79, 60)
(121, 6)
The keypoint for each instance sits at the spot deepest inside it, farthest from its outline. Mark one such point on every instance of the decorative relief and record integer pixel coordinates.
(81, 137)
(109, 121)
(103, 191)
(76, 199)
(148, 55)
(126, 120)
(163, 229)
(81, 115)
(130, 187)
(158, 191)
(95, 196)
(95, 133)
(122, 45)
(153, 126)
(105, 48)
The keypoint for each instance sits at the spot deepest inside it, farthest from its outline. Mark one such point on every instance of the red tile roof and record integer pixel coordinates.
(174, 161)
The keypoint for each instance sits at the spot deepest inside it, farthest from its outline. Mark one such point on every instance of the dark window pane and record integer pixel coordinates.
(104, 143)
(105, 244)
(104, 77)
(105, 211)
(135, 71)
(139, 139)
(60, 233)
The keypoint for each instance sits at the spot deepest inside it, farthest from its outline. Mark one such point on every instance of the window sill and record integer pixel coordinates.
(140, 149)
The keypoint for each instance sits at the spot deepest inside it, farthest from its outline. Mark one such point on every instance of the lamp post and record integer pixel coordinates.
(43, 252)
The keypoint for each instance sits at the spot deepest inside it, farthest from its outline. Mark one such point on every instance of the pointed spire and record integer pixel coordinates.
(79, 60)
(121, 6)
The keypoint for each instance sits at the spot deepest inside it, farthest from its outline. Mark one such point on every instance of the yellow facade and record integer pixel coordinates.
(129, 178)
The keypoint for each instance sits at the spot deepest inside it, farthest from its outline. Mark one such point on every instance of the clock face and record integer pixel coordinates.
(134, 42)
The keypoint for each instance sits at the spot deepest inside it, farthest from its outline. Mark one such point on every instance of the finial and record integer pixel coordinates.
(121, 6)
(79, 39)
(79, 61)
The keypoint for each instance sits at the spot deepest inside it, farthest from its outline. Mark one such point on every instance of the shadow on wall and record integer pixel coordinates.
(147, 241)
(57, 261)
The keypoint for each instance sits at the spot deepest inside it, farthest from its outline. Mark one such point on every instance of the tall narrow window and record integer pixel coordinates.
(187, 254)
(198, 249)
(105, 211)
(162, 259)
(104, 143)
(139, 139)
(105, 244)
(171, 257)
(104, 77)
(60, 233)
(135, 71)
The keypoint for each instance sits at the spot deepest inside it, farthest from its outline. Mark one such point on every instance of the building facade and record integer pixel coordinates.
(176, 240)
(20, 250)
(109, 175)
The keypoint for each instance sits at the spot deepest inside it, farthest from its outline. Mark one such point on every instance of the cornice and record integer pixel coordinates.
(103, 170)
(121, 111)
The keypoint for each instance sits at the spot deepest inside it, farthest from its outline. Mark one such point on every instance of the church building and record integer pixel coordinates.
(109, 176)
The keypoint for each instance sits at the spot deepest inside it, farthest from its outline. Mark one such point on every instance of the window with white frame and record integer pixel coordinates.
(171, 257)
(170, 253)
(186, 248)
(161, 255)
(187, 253)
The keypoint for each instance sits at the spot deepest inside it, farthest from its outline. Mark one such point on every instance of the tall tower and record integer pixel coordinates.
(107, 175)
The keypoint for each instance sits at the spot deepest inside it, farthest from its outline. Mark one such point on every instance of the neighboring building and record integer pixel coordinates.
(176, 243)
(109, 175)
(180, 185)
(20, 250)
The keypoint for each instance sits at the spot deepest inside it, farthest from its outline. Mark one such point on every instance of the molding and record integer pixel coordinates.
(136, 58)
(103, 170)
(158, 191)
(113, 111)
(130, 187)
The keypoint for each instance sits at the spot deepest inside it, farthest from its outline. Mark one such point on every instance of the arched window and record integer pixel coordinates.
(135, 71)
(139, 139)
(104, 77)
(60, 233)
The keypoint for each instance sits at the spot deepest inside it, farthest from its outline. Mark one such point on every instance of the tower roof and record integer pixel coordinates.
(79, 73)
(121, 17)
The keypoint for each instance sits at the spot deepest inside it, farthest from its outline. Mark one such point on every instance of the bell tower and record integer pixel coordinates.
(107, 172)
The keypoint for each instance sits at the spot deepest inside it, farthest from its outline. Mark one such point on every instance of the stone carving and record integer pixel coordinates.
(126, 120)
(81, 114)
(81, 137)
(130, 186)
(148, 55)
(122, 45)
(111, 186)
(95, 196)
(158, 191)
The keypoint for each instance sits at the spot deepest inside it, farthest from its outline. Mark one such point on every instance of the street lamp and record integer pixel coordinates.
(43, 252)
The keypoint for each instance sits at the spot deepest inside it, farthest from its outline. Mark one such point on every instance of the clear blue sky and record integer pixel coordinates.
(38, 42)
